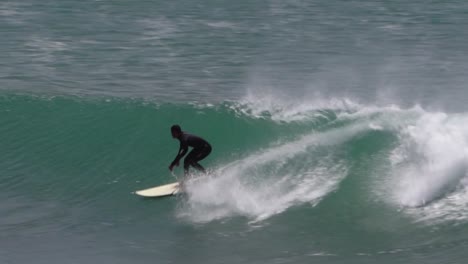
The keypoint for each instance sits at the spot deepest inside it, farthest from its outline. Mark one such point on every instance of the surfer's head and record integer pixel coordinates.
(176, 131)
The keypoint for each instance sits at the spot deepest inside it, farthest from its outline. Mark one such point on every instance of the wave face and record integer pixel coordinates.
(348, 180)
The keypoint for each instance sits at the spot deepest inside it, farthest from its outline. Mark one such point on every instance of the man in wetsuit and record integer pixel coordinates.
(201, 149)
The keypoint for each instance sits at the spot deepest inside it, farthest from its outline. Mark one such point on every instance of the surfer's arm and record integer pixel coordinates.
(182, 151)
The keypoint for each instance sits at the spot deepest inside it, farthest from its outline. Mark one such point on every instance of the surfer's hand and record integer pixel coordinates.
(172, 165)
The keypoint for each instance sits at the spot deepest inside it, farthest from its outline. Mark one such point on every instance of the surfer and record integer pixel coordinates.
(201, 149)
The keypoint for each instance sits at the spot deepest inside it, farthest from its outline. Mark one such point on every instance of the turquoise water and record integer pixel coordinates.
(338, 129)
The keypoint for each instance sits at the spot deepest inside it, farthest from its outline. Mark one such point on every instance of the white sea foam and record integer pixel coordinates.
(270, 181)
(426, 175)
(283, 109)
(264, 102)
(430, 167)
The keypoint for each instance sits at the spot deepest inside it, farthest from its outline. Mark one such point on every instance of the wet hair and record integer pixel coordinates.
(176, 128)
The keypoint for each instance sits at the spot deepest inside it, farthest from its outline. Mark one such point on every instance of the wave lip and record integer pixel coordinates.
(431, 163)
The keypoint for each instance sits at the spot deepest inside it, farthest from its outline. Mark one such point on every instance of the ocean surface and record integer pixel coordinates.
(339, 131)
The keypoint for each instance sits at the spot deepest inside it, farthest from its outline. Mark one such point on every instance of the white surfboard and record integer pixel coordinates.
(159, 191)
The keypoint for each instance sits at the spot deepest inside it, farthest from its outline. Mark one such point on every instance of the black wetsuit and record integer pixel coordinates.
(201, 149)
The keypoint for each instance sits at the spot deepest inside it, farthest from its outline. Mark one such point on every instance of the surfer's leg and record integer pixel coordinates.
(194, 157)
(203, 153)
(186, 166)
(189, 160)
(199, 156)
(198, 167)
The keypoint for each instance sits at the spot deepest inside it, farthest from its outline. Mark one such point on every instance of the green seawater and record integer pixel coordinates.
(327, 187)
